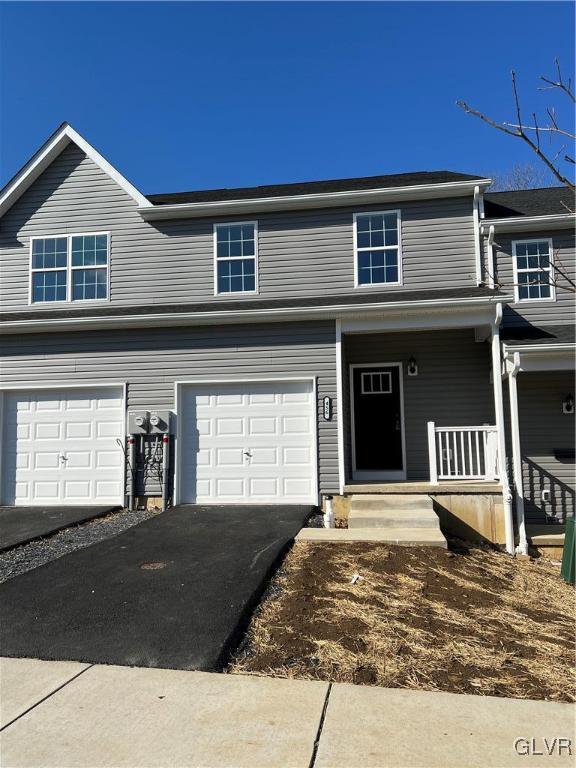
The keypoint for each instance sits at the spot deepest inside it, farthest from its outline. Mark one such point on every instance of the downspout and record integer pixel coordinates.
(477, 235)
(522, 548)
(499, 412)
(491, 273)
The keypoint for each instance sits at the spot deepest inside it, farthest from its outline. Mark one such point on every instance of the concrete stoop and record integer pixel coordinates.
(402, 520)
(398, 518)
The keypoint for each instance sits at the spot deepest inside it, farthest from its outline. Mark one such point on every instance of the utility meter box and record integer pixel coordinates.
(139, 422)
(159, 422)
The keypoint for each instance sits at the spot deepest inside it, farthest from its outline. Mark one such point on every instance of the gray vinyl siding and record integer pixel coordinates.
(303, 253)
(538, 312)
(151, 361)
(452, 387)
(544, 429)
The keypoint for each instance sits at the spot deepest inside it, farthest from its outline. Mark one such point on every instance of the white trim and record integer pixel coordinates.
(215, 228)
(384, 248)
(245, 315)
(538, 349)
(47, 153)
(477, 235)
(201, 380)
(340, 408)
(517, 456)
(552, 297)
(359, 475)
(314, 200)
(69, 269)
(530, 223)
(123, 385)
(491, 262)
(387, 391)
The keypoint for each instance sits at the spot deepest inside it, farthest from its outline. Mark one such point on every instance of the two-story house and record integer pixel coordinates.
(298, 341)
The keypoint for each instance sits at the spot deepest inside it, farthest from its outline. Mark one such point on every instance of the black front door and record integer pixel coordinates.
(377, 410)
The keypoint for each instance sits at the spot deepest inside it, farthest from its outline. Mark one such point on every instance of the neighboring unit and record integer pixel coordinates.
(340, 337)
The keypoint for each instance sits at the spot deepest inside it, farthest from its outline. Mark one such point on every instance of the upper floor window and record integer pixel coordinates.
(236, 255)
(533, 278)
(69, 268)
(377, 248)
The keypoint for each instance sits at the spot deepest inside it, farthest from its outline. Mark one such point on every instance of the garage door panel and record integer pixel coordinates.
(60, 447)
(250, 441)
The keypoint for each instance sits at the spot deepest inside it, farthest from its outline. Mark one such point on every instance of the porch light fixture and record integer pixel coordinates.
(412, 368)
(568, 404)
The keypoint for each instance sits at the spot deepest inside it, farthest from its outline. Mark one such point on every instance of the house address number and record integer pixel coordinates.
(327, 408)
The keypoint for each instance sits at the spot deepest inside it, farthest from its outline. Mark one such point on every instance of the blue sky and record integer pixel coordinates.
(196, 95)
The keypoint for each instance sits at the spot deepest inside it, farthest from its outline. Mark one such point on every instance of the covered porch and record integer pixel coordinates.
(420, 413)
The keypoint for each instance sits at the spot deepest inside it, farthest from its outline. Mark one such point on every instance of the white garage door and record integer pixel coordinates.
(59, 446)
(248, 443)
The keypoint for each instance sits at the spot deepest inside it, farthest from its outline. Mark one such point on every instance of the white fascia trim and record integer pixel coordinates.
(529, 223)
(237, 316)
(48, 153)
(537, 349)
(313, 200)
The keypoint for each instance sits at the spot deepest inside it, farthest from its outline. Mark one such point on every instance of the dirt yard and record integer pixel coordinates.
(467, 621)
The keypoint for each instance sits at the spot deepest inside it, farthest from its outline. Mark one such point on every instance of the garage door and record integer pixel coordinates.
(60, 446)
(248, 443)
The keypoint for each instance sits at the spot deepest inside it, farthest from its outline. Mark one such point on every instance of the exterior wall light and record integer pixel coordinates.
(568, 404)
(412, 368)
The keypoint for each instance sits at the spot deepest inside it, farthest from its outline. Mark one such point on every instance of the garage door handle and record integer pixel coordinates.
(63, 458)
(247, 453)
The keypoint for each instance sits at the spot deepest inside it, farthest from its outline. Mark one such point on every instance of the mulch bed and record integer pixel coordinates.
(471, 620)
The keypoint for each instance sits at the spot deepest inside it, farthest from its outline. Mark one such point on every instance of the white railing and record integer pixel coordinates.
(462, 453)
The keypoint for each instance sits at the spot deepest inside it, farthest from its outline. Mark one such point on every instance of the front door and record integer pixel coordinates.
(377, 422)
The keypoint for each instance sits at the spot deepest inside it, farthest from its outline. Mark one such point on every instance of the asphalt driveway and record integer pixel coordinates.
(19, 525)
(175, 591)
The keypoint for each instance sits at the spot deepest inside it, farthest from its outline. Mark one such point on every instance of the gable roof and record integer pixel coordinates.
(546, 201)
(47, 153)
(312, 187)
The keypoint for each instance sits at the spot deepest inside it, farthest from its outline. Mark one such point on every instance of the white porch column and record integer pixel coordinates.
(517, 456)
(340, 407)
(499, 412)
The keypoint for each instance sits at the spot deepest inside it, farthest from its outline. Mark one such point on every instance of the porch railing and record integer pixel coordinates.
(462, 453)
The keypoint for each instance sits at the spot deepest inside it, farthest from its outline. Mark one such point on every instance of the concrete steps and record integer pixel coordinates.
(402, 537)
(404, 519)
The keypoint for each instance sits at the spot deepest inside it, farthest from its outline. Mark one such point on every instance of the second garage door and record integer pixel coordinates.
(251, 442)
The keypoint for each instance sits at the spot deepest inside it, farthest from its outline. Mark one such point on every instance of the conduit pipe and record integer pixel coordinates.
(522, 548)
(328, 512)
(499, 412)
(132, 462)
(165, 468)
(477, 235)
(491, 272)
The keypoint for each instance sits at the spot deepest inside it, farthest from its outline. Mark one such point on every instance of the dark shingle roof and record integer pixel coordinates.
(545, 334)
(528, 202)
(446, 294)
(312, 187)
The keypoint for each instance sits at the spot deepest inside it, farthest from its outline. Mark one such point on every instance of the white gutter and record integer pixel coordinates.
(312, 200)
(499, 412)
(233, 316)
(477, 235)
(538, 348)
(531, 223)
(522, 548)
(491, 275)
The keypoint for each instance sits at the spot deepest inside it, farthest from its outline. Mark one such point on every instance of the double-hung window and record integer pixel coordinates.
(377, 248)
(69, 268)
(236, 257)
(533, 277)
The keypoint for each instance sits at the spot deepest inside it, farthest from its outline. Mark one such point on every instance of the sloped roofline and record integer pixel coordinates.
(48, 152)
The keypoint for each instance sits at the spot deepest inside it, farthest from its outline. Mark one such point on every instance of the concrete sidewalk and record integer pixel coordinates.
(70, 715)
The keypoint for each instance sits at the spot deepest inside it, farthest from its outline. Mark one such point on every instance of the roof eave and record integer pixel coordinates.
(530, 223)
(244, 316)
(313, 200)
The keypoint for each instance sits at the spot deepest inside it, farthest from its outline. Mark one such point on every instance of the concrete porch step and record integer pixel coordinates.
(415, 501)
(403, 537)
(401, 518)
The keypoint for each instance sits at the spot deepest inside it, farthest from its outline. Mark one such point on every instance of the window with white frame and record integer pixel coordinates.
(236, 253)
(69, 268)
(377, 246)
(533, 278)
(378, 383)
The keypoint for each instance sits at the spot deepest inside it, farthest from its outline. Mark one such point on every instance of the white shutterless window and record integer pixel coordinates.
(236, 257)
(69, 268)
(377, 248)
(533, 274)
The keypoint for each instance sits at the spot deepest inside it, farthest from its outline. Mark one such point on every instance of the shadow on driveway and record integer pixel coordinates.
(175, 591)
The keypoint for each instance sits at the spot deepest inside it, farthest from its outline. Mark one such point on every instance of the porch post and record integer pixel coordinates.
(499, 412)
(340, 408)
(432, 453)
(517, 456)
